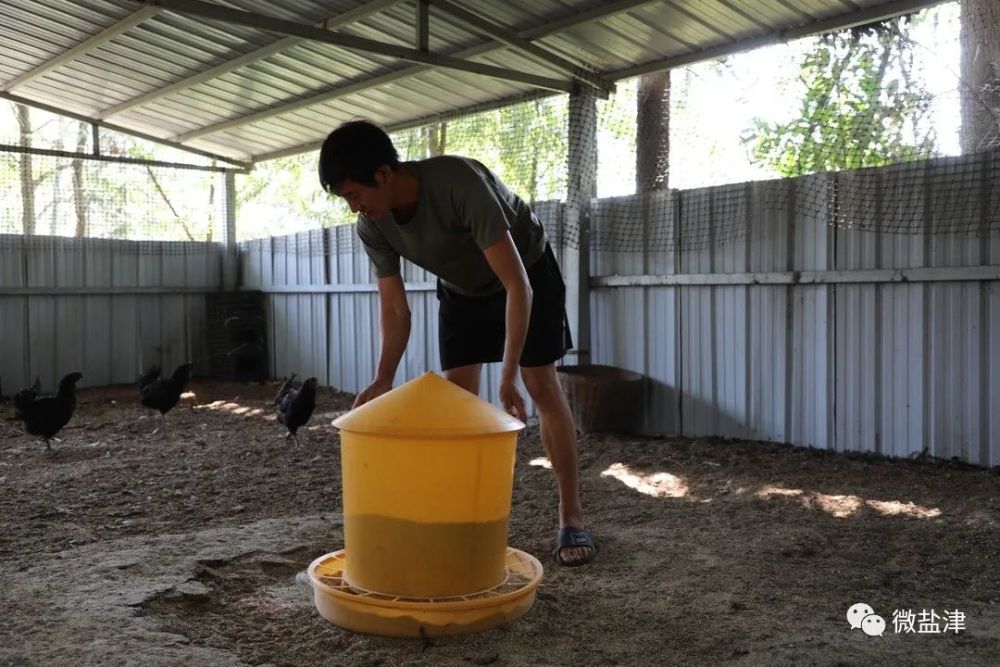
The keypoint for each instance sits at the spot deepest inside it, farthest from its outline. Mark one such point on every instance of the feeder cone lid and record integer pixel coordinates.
(428, 406)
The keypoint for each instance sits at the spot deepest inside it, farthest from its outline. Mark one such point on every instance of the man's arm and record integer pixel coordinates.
(503, 258)
(394, 321)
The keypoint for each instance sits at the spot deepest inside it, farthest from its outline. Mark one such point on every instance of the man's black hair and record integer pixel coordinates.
(354, 151)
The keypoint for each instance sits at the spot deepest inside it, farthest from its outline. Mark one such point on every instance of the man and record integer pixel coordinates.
(501, 294)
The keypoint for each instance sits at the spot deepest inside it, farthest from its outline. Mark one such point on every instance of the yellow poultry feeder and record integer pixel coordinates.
(428, 471)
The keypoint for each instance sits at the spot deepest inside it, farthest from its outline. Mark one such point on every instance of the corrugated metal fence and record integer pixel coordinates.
(793, 330)
(103, 308)
(801, 331)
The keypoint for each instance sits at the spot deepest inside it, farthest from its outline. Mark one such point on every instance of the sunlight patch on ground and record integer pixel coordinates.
(658, 485)
(769, 491)
(189, 394)
(229, 406)
(541, 462)
(896, 508)
(843, 506)
(838, 506)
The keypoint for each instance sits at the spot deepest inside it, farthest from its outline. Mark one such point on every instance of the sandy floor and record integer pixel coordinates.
(122, 547)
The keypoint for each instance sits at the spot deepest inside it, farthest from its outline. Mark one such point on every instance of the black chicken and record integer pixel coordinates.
(163, 393)
(7, 399)
(295, 405)
(45, 415)
(25, 397)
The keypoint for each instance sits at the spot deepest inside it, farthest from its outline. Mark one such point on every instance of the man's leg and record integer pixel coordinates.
(559, 441)
(466, 377)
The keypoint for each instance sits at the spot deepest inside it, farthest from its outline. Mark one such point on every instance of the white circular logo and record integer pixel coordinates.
(857, 613)
(873, 625)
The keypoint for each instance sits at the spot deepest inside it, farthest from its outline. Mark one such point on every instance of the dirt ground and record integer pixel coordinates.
(125, 547)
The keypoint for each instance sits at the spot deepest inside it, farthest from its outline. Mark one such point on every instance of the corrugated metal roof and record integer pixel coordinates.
(164, 69)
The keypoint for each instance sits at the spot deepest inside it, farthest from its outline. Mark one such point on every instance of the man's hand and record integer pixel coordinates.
(506, 264)
(374, 390)
(510, 399)
(394, 320)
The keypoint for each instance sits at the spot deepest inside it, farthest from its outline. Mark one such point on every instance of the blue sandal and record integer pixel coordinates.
(571, 536)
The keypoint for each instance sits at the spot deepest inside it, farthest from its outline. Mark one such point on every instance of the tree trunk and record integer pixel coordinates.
(436, 136)
(27, 177)
(652, 155)
(211, 209)
(79, 194)
(535, 150)
(980, 78)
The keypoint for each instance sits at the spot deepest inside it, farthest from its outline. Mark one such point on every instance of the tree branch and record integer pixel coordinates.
(166, 199)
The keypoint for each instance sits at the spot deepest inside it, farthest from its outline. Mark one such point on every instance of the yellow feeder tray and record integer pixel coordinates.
(393, 616)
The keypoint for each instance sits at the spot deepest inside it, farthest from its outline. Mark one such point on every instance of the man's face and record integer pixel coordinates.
(373, 201)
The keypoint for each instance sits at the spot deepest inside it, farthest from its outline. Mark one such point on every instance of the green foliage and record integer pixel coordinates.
(283, 196)
(863, 106)
(67, 196)
(525, 144)
(8, 170)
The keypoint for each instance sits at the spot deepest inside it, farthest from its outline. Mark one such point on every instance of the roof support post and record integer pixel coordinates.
(230, 252)
(581, 188)
(423, 25)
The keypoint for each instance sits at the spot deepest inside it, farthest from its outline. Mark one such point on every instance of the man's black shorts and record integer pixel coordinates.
(471, 329)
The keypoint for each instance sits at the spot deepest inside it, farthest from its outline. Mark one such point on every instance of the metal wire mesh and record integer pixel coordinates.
(53, 185)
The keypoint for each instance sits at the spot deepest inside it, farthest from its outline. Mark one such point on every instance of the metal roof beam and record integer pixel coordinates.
(601, 10)
(511, 38)
(80, 49)
(870, 15)
(350, 16)
(8, 148)
(597, 13)
(124, 130)
(423, 25)
(479, 107)
(368, 46)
